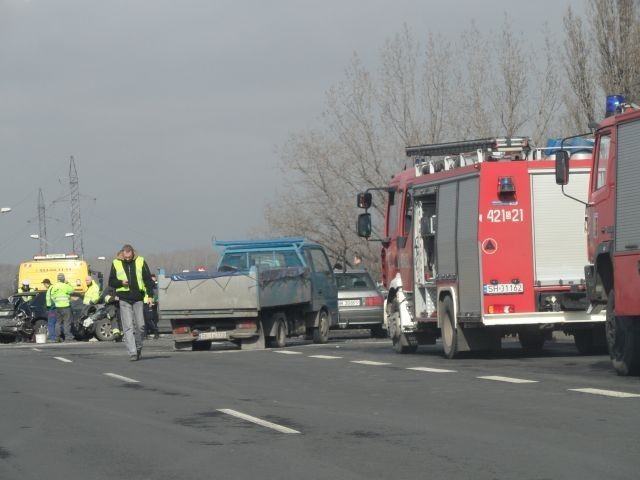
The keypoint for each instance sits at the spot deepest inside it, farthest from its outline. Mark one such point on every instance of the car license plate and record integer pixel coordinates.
(349, 303)
(502, 288)
(212, 336)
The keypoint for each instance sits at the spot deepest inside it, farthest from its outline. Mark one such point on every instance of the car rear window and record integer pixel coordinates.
(355, 281)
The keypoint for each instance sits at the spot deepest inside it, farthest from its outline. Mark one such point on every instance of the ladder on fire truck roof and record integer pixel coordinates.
(467, 152)
(510, 145)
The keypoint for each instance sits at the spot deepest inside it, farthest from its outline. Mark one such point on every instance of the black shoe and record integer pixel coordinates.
(156, 336)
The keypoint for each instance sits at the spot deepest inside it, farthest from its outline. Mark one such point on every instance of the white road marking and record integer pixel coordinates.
(326, 357)
(36, 349)
(369, 362)
(120, 377)
(432, 370)
(507, 379)
(257, 421)
(288, 352)
(607, 393)
(62, 359)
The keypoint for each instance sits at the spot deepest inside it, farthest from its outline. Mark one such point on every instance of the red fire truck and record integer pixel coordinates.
(479, 243)
(613, 230)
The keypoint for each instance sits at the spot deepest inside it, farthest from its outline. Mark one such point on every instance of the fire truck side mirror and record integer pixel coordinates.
(562, 167)
(364, 225)
(364, 200)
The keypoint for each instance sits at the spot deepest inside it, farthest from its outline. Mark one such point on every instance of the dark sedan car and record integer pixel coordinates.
(22, 316)
(360, 303)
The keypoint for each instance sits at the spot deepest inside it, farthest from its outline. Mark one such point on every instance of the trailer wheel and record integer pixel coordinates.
(532, 341)
(201, 346)
(178, 346)
(623, 341)
(321, 332)
(449, 331)
(280, 338)
(254, 343)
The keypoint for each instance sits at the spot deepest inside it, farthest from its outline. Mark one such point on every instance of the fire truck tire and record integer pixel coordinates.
(321, 332)
(590, 341)
(531, 341)
(254, 343)
(449, 331)
(623, 341)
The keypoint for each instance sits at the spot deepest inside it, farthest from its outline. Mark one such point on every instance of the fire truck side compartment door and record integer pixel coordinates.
(468, 254)
(446, 233)
(627, 231)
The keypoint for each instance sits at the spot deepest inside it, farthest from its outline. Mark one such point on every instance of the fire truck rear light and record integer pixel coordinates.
(180, 330)
(501, 308)
(374, 301)
(246, 325)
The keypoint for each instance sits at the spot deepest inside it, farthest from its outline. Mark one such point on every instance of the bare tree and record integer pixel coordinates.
(615, 30)
(578, 61)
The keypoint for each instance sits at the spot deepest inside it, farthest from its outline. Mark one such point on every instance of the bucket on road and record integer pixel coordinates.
(41, 338)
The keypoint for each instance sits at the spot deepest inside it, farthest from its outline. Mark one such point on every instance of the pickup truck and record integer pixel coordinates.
(262, 292)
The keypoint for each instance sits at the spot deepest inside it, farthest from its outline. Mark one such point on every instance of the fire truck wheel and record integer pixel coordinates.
(449, 331)
(321, 332)
(531, 341)
(590, 341)
(623, 341)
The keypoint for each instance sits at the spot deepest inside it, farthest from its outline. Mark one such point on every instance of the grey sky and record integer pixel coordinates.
(173, 109)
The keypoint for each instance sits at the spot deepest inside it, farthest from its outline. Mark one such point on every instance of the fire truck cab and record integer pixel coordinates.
(478, 243)
(613, 230)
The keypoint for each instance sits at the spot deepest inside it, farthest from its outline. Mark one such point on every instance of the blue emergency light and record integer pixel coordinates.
(613, 104)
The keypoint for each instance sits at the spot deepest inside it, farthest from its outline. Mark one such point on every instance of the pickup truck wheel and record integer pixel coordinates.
(623, 341)
(280, 339)
(177, 346)
(321, 332)
(449, 331)
(103, 330)
(254, 343)
(201, 346)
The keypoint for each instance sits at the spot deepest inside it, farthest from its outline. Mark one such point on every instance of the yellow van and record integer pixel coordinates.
(49, 266)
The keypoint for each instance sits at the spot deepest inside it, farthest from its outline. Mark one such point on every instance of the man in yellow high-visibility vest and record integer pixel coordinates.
(131, 279)
(92, 295)
(60, 295)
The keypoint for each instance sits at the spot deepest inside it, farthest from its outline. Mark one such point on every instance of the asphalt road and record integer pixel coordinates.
(350, 409)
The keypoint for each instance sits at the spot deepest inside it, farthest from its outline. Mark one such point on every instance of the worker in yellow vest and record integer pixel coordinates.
(60, 296)
(131, 279)
(92, 295)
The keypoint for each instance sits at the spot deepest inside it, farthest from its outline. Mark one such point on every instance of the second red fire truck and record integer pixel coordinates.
(479, 243)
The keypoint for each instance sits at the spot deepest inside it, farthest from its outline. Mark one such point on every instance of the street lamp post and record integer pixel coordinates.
(44, 242)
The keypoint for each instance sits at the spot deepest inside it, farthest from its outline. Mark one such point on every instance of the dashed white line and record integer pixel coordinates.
(62, 359)
(36, 349)
(326, 357)
(432, 370)
(369, 362)
(507, 379)
(288, 352)
(258, 421)
(606, 393)
(120, 377)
